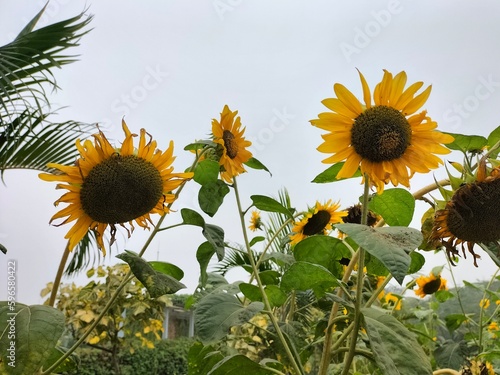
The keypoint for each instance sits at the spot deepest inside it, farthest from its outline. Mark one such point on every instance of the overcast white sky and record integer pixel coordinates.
(170, 66)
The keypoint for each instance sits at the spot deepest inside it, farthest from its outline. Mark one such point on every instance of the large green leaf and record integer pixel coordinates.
(203, 255)
(256, 164)
(396, 206)
(216, 313)
(330, 174)
(238, 364)
(325, 251)
(211, 196)
(215, 235)
(202, 358)
(157, 283)
(269, 205)
(192, 217)
(395, 349)
(466, 143)
(206, 171)
(28, 336)
(390, 245)
(305, 276)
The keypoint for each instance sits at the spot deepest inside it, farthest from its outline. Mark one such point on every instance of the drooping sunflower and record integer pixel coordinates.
(109, 186)
(255, 221)
(391, 301)
(430, 284)
(470, 216)
(318, 220)
(388, 140)
(228, 133)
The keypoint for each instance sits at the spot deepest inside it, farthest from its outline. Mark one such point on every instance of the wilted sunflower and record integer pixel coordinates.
(387, 140)
(318, 221)
(430, 285)
(255, 221)
(109, 186)
(471, 216)
(228, 134)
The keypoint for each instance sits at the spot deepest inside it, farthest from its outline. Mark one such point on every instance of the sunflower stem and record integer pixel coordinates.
(57, 279)
(481, 311)
(359, 287)
(294, 362)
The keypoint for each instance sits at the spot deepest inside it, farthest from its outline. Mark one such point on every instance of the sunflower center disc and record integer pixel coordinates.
(230, 144)
(316, 223)
(473, 213)
(380, 133)
(432, 286)
(121, 189)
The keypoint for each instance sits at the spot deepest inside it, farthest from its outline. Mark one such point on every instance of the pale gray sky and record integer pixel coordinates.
(171, 66)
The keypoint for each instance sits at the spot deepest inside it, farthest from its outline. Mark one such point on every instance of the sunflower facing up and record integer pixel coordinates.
(229, 135)
(389, 141)
(470, 216)
(109, 186)
(318, 220)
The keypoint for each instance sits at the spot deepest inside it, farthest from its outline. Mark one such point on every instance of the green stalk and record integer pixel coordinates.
(359, 287)
(296, 365)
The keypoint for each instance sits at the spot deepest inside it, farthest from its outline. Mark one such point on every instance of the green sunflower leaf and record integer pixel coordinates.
(467, 143)
(250, 291)
(211, 196)
(305, 276)
(207, 171)
(68, 365)
(493, 138)
(215, 236)
(199, 145)
(394, 347)
(417, 262)
(34, 330)
(238, 364)
(201, 359)
(157, 283)
(330, 174)
(390, 245)
(167, 269)
(216, 313)
(256, 240)
(275, 295)
(3, 249)
(192, 217)
(325, 251)
(256, 164)
(493, 250)
(269, 205)
(396, 206)
(204, 253)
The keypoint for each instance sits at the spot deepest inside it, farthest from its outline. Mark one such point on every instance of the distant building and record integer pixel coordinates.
(178, 322)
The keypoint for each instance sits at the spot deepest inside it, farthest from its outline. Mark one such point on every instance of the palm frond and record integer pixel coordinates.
(84, 254)
(277, 220)
(26, 63)
(30, 142)
(235, 258)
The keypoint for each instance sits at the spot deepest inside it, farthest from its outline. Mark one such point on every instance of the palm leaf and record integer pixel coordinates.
(30, 142)
(83, 255)
(26, 63)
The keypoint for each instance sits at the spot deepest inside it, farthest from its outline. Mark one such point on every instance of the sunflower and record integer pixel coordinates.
(430, 284)
(389, 141)
(255, 221)
(228, 134)
(470, 216)
(318, 221)
(109, 186)
(391, 301)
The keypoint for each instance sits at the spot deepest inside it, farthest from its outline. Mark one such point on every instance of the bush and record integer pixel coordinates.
(169, 357)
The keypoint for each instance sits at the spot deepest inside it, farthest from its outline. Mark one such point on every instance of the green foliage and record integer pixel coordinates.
(159, 280)
(396, 206)
(33, 333)
(330, 174)
(396, 350)
(389, 245)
